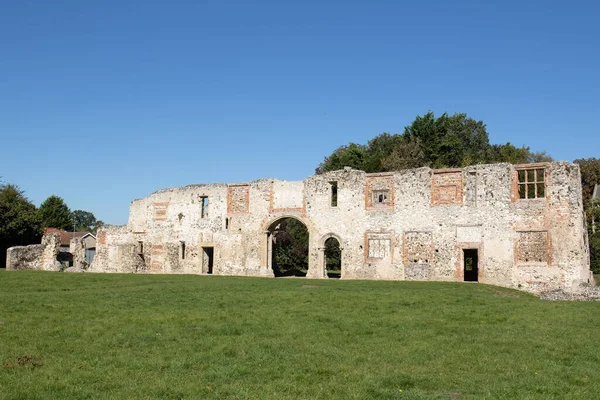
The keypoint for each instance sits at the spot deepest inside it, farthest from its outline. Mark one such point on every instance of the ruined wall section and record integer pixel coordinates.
(485, 223)
(116, 251)
(549, 232)
(175, 227)
(40, 257)
(343, 219)
(247, 230)
(412, 224)
(171, 225)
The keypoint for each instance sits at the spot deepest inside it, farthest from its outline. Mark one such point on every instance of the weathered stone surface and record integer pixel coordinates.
(35, 257)
(74, 269)
(410, 224)
(77, 249)
(24, 257)
(586, 293)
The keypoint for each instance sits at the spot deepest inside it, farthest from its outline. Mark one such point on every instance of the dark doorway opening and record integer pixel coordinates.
(288, 241)
(207, 260)
(471, 268)
(333, 258)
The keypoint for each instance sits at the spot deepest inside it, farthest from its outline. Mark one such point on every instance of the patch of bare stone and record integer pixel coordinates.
(74, 269)
(587, 293)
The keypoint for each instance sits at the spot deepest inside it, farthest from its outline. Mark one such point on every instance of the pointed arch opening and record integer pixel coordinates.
(288, 244)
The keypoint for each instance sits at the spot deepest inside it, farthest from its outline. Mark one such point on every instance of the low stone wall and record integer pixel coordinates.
(24, 257)
(37, 256)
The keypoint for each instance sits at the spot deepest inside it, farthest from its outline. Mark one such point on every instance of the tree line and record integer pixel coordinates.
(447, 141)
(22, 223)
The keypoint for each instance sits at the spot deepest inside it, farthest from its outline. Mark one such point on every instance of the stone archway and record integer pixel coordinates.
(287, 242)
(331, 256)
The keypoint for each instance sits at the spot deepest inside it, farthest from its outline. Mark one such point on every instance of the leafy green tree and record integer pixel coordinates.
(439, 142)
(407, 154)
(353, 155)
(590, 176)
(540, 156)
(19, 224)
(507, 153)
(99, 224)
(450, 141)
(54, 213)
(84, 220)
(378, 149)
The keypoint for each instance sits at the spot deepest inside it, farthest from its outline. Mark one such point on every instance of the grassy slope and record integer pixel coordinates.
(171, 337)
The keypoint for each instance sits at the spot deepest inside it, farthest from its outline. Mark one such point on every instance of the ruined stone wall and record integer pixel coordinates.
(37, 256)
(77, 249)
(525, 223)
(117, 251)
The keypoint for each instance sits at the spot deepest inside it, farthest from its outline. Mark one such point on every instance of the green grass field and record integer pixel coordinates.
(87, 336)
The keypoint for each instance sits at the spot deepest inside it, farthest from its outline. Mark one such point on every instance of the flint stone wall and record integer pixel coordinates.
(37, 256)
(77, 249)
(407, 225)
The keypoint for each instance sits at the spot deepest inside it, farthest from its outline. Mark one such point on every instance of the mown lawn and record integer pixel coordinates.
(87, 336)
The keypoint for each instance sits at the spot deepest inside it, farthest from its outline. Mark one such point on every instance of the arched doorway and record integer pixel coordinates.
(288, 242)
(332, 257)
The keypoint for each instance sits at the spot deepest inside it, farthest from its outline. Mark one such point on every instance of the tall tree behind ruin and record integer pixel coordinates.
(54, 213)
(84, 220)
(443, 142)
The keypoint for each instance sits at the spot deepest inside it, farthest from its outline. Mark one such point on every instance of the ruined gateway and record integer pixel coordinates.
(518, 226)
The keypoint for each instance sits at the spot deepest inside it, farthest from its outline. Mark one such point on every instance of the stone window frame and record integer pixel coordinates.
(369, 203)
(518, 183)
(230, 199)
(160, 210)
(533, 263)
(459, 189)
(369, 235)
(406, 260)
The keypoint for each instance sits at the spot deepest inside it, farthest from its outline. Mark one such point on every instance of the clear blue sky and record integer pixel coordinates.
(104, 102)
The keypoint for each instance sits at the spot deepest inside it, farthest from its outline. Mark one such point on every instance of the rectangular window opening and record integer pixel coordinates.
(380, 197)
(183, 250)
(532, 183)
(140, 248)
(204, 211)
(334, 193)
(226, 223)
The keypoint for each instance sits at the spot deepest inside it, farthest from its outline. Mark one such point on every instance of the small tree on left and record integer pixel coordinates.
(19, 222)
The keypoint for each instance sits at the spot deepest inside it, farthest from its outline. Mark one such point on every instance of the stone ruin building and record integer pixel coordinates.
(518, 226)
(51, 255)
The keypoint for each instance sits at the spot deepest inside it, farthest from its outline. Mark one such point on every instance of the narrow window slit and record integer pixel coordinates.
(204, 205)
(334, 193)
